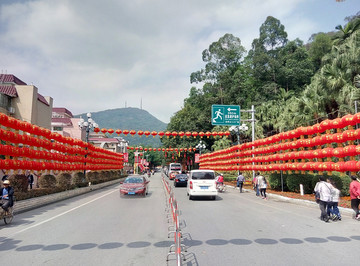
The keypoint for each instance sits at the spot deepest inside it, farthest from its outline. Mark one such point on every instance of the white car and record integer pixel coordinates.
(201, 183)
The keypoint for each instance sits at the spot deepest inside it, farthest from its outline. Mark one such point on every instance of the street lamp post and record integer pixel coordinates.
(201, 146)
(87, 126)
(237, 130)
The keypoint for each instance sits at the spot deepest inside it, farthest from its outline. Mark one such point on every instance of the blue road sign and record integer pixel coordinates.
(225, 115)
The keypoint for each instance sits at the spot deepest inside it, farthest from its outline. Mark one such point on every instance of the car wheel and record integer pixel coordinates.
(213, 197)
(190, 197)
(175, 185)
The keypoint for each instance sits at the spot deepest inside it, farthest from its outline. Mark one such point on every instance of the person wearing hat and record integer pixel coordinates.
(6, 195)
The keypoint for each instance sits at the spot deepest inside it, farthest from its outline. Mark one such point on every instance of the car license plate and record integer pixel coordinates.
(204, 187)
(131, 193)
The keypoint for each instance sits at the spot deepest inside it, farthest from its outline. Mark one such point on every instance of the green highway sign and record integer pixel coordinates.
(225, 115)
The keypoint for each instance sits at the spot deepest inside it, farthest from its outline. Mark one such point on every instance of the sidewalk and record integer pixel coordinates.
(344, 211)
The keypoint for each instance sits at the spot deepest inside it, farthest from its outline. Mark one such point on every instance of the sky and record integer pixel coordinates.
(91, 56)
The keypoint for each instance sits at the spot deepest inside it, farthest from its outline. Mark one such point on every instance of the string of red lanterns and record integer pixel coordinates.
(42, 149)
(161, 134)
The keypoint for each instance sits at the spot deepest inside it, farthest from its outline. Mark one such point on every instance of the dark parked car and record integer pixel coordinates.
(134, 185)
(180, 179)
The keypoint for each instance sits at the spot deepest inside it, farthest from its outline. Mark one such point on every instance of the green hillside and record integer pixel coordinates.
(130, 118)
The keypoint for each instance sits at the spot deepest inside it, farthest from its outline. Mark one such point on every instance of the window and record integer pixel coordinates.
(4, 101)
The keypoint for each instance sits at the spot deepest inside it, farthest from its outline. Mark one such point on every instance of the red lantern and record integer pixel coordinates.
(351, 166)
(140, 133)
(349, 135)
(147, 133)
(167, 134)
(118, 131)
(194, 134)
(214, 134)
(326, 124)
(161, 134)
(348, 120)
(126, 132)
(188, 134)
(337, 123)
(132, 133)
(174, 134)
(110, 130)
(350, 150)
(201, 134)
(339, 152)
(96, 130)
(103, 130)
(153, 133)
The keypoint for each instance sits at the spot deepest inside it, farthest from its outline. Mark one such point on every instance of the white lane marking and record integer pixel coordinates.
(61, 214)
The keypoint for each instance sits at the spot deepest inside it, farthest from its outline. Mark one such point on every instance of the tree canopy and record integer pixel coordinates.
(290, 83)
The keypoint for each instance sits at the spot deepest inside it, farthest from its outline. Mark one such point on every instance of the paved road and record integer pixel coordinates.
(98, 228)
(242, 229)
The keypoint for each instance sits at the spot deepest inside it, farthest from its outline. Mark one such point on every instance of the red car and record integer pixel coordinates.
(134, 185)
(172, 175)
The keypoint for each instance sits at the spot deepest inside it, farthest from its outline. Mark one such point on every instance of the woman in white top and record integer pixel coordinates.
(333, 210)
(325, 190)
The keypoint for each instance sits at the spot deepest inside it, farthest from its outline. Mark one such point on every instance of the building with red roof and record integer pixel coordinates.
(24, 102)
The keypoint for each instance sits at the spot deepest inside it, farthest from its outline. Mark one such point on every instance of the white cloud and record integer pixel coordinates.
(97, 55)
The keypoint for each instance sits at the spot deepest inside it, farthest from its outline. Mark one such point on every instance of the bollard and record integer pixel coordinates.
(301, 190)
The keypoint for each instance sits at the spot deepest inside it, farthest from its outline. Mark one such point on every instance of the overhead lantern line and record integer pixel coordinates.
(161, 134)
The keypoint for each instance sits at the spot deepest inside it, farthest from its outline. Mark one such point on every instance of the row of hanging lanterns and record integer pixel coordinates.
(162, 149)
(161, 134)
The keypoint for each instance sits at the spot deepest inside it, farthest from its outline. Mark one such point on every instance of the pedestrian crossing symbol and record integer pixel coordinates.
(225, 115)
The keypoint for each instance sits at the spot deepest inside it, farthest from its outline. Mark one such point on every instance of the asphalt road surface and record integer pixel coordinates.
(242, 229)
(100, 228)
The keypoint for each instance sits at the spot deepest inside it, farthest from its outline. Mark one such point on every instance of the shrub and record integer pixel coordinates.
(92, 177)
(79, 179)
(63, 181)
(274, 180)
(293, 182)
(346, 180)
(19, 182)
(47, 181)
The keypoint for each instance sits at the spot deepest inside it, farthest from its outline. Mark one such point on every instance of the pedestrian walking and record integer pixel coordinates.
(255, 185)
(30, 179)
(240, 181)
(325, 191)
(355, 196)
(262, 185)
(333, 210)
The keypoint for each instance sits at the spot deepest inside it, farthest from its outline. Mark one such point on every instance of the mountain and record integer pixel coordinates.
(130, 118)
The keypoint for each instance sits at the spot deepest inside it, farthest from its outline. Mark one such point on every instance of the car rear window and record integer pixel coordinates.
(203, 175)
(181, 176)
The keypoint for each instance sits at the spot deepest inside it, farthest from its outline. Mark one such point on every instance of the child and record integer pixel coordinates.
(333, 210)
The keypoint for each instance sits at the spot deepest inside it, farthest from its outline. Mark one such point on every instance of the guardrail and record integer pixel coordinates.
(172, 210)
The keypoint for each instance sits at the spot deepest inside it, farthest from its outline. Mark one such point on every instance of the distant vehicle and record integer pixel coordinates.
(134, 185)
(180, 179)
(174, 169)
(201, 183)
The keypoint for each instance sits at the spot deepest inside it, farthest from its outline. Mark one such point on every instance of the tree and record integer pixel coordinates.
(345, 32)
(264, 56)
(319, 47)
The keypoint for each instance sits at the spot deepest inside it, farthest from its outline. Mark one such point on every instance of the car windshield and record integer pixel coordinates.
(132, 180)
(203, 175)
(181, 176)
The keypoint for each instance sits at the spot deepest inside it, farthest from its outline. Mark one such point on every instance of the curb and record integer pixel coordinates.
(344, 211)
(33, 203)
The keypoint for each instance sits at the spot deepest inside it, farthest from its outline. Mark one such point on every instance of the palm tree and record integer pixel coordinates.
(344, 33)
